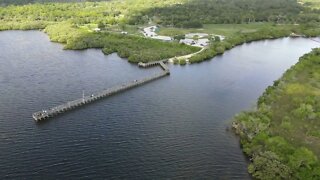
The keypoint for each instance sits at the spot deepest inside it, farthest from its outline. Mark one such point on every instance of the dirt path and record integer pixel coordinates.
(186, 56)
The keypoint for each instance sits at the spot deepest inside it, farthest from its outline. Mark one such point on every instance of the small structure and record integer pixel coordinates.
(202, 42)
(163, 38)
(96, 29)
(187, 41)
(150, 32)
(124, 32)
(197, 43)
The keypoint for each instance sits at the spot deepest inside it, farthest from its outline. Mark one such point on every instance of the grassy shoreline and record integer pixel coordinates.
(282, 137)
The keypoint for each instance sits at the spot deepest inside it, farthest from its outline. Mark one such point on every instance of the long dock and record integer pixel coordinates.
(45, 114)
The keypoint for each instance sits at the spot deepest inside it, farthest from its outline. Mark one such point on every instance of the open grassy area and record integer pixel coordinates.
(222, 29)
(130, 29)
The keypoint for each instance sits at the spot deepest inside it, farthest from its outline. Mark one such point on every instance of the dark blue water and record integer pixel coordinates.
(173, 128)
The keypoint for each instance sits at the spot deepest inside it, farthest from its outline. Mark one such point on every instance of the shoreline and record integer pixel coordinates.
(204, 54)
(270, 135)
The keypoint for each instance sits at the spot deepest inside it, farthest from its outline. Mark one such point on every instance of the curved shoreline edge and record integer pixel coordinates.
(281, 138)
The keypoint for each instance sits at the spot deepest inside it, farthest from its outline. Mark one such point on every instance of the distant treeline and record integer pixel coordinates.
(177, 13)
(193, 13)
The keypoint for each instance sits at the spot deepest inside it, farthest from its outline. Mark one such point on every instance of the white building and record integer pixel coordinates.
(96, 29)
(163, 38)
(202, 42)
(150, 32)
(198, 43)
(187, 41)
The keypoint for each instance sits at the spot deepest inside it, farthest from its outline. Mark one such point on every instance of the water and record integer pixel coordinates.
(172, 128)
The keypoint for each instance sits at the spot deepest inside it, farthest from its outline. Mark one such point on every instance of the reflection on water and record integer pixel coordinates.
(174, 127)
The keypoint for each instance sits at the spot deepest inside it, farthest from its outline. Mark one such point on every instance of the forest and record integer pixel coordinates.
(287, 16)
(177, 13)
(282, 136)
(195, 13)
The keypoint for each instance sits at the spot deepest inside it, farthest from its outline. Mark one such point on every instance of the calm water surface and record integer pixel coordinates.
(173, 128)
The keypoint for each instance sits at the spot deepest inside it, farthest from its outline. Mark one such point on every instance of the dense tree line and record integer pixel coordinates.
(282, 136)
(224, 12)
(106, 12)
(178, 13)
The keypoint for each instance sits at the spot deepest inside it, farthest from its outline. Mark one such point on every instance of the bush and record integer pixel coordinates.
(183, 62)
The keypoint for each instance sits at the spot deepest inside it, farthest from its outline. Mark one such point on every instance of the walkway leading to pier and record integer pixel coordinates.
(45, 114)
(188, 56)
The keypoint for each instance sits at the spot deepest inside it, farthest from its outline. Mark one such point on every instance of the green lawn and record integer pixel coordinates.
(131, 29)
(220, 29)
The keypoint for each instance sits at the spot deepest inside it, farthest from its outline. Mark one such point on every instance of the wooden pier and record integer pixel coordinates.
(156, 63)
(45, 114)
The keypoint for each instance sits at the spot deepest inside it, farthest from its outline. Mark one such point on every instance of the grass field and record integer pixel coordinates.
(217, 29)
(220, 29)
(131, 29)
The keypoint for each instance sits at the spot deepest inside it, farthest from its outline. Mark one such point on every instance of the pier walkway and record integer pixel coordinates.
(45, 114)
(156, 63)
